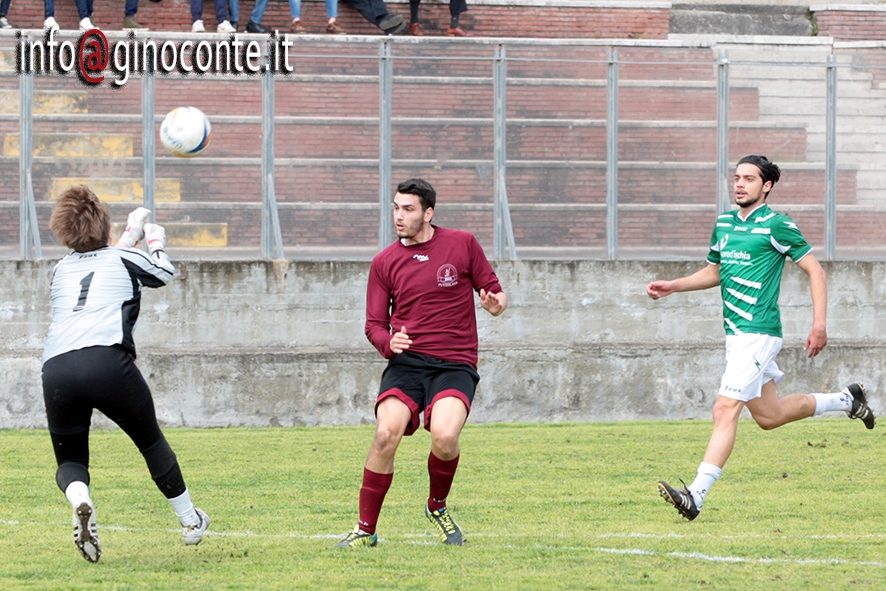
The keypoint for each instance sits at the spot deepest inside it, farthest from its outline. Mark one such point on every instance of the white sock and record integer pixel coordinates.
(78, 492)
(704, 480)
(184, 509)
(829, 402)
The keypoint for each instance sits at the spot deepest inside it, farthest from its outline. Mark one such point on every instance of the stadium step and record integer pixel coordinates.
(72, 145)
(45, 102)
(7, 60)
(114, 190)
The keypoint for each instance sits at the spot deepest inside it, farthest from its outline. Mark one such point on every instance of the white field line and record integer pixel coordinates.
(431, 539)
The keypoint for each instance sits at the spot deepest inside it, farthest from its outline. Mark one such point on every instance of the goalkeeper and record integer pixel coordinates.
(89, 357)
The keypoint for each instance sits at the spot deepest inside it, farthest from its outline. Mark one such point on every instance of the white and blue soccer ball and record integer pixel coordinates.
(185, 132)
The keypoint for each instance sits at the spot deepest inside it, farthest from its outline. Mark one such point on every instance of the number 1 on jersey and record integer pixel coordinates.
(84, 290)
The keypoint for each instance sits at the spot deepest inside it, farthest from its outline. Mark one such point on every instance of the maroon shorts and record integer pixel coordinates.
(420, 380)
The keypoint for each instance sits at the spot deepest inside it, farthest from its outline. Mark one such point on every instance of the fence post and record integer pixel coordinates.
(612, 156)
(149, 172)
(830, 209)
(270, 221)
(385, 87)
(29, 232)
(503, 231)
(723, 200)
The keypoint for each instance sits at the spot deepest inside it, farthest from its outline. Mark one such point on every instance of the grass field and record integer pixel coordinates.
(543, 506)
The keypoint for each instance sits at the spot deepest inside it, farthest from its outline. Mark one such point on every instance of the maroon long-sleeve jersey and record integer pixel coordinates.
(429, 288)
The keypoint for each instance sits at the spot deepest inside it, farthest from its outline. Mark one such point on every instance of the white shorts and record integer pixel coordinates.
(750, 363)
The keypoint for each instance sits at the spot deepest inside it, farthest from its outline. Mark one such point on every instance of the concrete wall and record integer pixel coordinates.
(258, 343)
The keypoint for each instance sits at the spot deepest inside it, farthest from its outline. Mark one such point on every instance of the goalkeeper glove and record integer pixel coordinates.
(135, 228)
(155, 236)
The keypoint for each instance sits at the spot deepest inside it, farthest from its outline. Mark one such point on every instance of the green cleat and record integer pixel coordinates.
(358, 538)
(446, 527)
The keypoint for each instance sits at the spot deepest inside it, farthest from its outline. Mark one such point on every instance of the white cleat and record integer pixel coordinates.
(86, 533)
(193, 534)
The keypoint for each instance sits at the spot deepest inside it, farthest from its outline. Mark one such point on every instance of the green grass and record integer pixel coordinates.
(553, 506)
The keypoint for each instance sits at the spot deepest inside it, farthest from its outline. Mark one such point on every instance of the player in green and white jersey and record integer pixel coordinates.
(746, 259)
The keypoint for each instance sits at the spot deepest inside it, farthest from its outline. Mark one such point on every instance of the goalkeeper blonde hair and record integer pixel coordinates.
(80, 220)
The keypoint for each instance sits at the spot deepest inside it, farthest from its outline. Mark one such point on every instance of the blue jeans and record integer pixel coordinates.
(4, 7)
(221, 10)
(294, 9)
(84, 8)
(234, 10)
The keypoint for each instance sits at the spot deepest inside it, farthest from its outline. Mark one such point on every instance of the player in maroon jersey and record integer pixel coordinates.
(420, 316)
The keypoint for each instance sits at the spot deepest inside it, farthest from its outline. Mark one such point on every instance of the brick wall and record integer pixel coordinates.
(852, 25)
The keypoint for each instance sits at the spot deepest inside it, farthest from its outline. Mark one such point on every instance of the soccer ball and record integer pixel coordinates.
(185, 132)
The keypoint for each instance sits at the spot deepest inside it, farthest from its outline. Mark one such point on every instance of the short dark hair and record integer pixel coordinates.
(422, 189)
(80, 220)
(768, 170)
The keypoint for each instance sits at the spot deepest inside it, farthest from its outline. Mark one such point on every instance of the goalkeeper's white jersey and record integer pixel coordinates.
(96, 297)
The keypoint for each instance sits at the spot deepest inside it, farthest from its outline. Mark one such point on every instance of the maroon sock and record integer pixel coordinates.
(441, 473)
(372, 495)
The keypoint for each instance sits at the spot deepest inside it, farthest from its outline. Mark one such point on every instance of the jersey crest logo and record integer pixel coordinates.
(421, 258)
(447, 276)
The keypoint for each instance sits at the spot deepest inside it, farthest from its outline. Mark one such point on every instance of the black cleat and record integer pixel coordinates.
(860, 408)
(681, 499)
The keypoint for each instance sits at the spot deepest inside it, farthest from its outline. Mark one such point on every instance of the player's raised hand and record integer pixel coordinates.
(494, 303)
(400, 341)
(135, 227)
(155, 236)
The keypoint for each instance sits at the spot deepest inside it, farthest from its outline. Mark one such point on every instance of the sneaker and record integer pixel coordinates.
(86, 533)
(86, 24)
(193, 534)
(50, 23)
(334, 29)
(198, 27)
(4, 24)
(681, 499)
(253, 27)
(391, 23)
(358, 538)
(860, 408)
(225, 27)
(446, 527)
(129, 22)
(296, 28)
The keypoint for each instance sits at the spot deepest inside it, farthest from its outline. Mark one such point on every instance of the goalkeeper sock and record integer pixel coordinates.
(184, 509)
(78, 492)
(372, 495)
(441, 474)
(828, 402)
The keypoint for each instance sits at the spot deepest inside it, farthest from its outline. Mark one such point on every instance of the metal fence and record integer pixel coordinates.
(559, 149)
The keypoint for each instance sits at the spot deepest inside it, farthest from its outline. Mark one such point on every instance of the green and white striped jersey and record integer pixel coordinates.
(751, 256)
